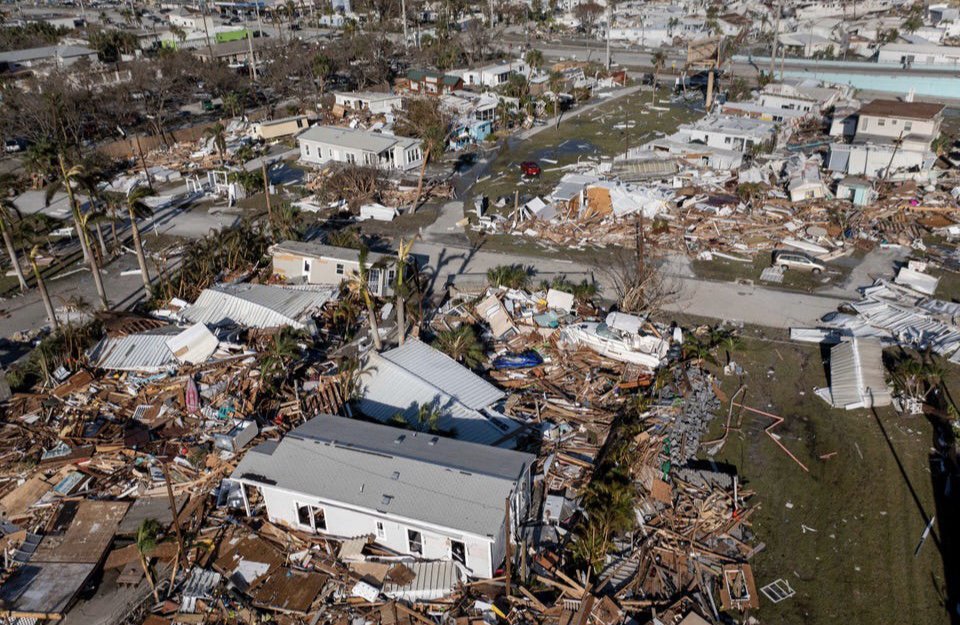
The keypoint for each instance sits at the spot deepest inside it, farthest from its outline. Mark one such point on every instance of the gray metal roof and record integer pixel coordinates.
(35, 54)
(439, 370)
(258, 305)
(145, 352)
(320, 250)
(418, 488)
(401, 380)
(355, 139)
(451, 453)
(389, 390)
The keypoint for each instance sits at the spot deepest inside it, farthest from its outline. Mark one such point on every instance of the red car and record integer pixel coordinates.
(530, 169)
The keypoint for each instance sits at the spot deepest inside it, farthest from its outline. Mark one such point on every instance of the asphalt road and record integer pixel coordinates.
(449, 253)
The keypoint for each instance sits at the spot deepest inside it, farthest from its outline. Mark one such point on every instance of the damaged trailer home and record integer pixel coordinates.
(417, 493)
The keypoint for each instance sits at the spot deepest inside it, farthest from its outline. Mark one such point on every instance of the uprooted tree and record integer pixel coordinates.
(355, 184)
(636, 276)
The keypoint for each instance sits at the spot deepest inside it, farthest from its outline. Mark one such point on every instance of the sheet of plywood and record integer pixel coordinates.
(15, 503)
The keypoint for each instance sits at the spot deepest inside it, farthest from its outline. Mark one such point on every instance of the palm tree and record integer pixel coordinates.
(8, 211)
(462, 345)
(358, 284)
(659, 60)
(217, 132)
(726, 340)
(534, 59)
(428, 417)
(433, 141)
(68, 178)
(399, 287)
(283, 349)
(231, 102)
(510, 276)
(146, 542)
(138, 209)
(42, 287)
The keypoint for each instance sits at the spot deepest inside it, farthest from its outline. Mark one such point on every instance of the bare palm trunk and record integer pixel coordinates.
(374, 325)
(12, 252)
(141, 258)
(42, 287)
(146, 571)
(87, 252)
(101, 240)
(401, 318)
(423, 172)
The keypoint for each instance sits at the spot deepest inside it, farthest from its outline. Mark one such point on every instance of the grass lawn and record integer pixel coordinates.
(602, 132)
(794, 280)
(844, 534)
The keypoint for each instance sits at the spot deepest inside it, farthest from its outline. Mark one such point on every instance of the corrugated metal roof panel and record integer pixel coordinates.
(145, 352)
(856, 375)
(433, 580)
(258, 305)
(446, 374)
(389, 389)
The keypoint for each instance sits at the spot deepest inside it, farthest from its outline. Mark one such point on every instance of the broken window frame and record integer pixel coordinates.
(314, 514)
(462, 551)
(415, 542)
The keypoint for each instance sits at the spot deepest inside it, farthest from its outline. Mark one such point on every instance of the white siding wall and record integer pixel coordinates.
(892, 127)
(281, 508)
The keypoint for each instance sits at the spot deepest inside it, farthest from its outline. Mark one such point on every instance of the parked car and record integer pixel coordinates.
(530, 169)
(797, 260)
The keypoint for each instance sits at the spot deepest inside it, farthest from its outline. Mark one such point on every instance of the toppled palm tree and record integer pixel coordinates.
(42, 287)
(147, 535)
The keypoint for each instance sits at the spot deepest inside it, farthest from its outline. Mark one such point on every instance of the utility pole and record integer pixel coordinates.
(403, 18)
(206, 31)
(609, 24)
(143, 163)
(266, 190)
(776, 37)
(253, 57)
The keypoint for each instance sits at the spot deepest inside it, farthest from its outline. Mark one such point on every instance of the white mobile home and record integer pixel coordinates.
(416, 493)
(376, 103)
(316, 263)
(329, 144)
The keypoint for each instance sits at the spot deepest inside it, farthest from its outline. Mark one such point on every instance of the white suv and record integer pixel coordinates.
(796, 260)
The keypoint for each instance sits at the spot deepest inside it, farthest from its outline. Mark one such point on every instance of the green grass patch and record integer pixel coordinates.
(844, 534)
